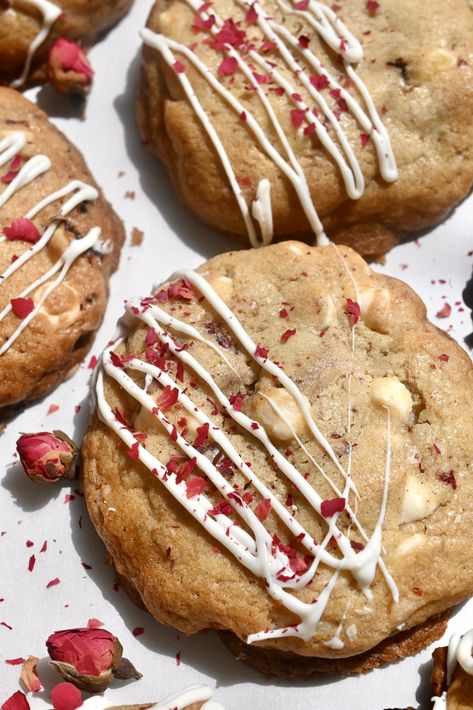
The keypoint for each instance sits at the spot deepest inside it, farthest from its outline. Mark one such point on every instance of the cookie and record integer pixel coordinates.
(452, 675)
(281, 450)
(59, 242)
(29, 28)
(282, 119)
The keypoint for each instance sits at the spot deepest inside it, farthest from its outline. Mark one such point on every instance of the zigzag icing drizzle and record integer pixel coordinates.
(77, 192)
(460, 650)
(177, 701)
(336, 35)
(51, 13)
(254, 549)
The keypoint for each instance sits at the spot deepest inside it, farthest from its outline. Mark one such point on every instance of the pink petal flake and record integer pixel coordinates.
(297, 117)
(94, 624)
(262, 352)
(372, 6)
(445, 311)
(195, 486)
(319, 82)
(15, 661)
(53, 583)
(228, 66)
(66, 696)
(92, 363)
(330, 507)
(236, 400)
(353, 310)
(287, 334)
(134, 451)
(52, 408)
(448, 477)
(31, 563)
(178, 67)
(23, 230)
(443, 357)
(13, 172)
(29, 677)
(22, 307)
(251, 16)
(138, 630)
(202, 434)
(17, 701)
(301, 5)
(168, 398)
(262, 509)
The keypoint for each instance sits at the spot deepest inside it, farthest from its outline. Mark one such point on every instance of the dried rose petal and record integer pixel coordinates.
(353, 311)
(22, 307)
(29, 677)
(66, 696)
(22, 229)
(262, 509)
(86, 657)
(330, 507)
(195, 486)
(68, 67)
(228, 66)
(445, 311)
(47, 457)
(17, 701)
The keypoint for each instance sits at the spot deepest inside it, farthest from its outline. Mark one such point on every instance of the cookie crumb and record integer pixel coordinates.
(137, 236)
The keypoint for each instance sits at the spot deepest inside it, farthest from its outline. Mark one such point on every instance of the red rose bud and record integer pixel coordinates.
(47, 457)
(66, 696)
(68, 68)
(89, 658)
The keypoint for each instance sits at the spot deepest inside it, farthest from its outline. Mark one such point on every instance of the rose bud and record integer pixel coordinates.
(89, 658)
(47, 457)
(69, 70)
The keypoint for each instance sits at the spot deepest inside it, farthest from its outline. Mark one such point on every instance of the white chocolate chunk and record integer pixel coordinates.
(325, 311)
(278, 412)
(223, 285)
(352, 631)
(419, 501)
(409, 544)
(391, 393)
(296, 248)
(62, 307)
(373, 301)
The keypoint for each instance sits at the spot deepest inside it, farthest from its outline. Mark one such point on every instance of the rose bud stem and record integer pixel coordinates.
(47, 457)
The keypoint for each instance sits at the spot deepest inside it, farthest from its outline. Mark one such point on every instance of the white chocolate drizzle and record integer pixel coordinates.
(460, 650)
(77, 193)
(254, 549)
(337, 36)
(177, 701)
(50, 12)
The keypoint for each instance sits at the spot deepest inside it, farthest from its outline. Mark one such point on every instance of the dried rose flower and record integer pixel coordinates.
(89, 658)
(47, 457)
(69, 70)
